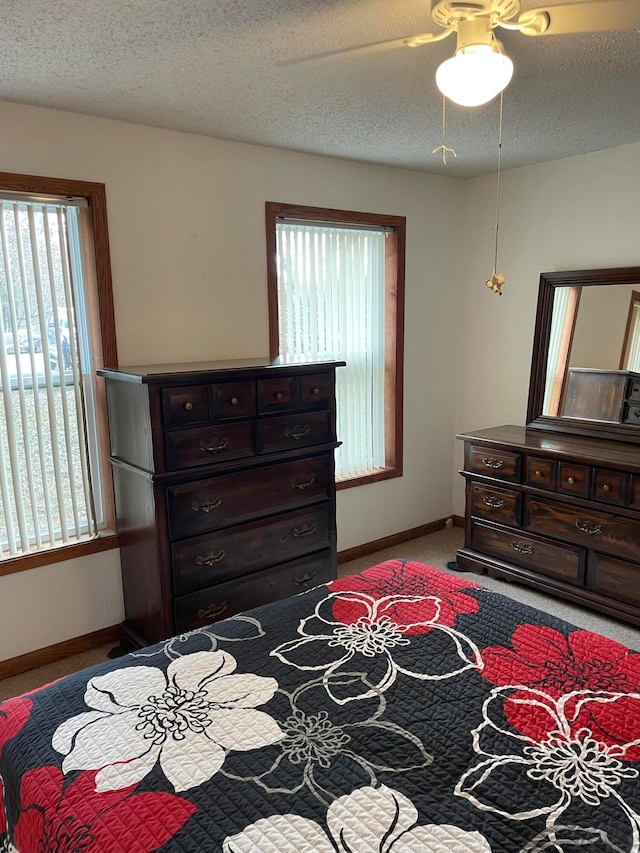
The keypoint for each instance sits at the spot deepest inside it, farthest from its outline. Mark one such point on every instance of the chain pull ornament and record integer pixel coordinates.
(443, 148)
(497, 279)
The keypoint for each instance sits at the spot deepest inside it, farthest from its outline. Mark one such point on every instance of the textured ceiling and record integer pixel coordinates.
(218, 67)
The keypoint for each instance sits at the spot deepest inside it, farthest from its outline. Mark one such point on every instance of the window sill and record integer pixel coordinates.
(104, 542)
(371, 477)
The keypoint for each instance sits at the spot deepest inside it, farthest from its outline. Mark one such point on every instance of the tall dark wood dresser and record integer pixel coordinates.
(224, 486)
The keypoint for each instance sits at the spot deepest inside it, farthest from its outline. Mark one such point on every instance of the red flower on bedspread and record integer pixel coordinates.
(14, 713)
(80, 820)
(541, 658)
(442, 594)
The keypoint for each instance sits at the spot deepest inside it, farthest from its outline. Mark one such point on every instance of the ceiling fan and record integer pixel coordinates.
(479, 69)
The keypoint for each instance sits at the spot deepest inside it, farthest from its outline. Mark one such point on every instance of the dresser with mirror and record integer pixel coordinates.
(555, 504)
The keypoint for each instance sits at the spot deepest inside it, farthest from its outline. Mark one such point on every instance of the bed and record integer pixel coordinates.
(400, 710)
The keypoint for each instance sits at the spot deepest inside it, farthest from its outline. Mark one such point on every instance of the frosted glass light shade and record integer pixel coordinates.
(474, 76)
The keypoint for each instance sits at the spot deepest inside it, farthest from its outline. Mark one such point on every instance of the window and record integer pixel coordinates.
(56, 328)
(630, 357)
(336, 291)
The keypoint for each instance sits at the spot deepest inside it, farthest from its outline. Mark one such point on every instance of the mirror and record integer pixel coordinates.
(585, 366)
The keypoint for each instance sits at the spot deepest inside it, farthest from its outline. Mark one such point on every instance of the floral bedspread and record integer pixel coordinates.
(402, 710)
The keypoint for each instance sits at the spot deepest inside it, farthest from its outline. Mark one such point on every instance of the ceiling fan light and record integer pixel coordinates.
(475, 75)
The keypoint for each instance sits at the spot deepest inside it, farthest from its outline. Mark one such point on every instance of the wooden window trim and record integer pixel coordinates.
(635, 300)
(105, 353)
(394, 316)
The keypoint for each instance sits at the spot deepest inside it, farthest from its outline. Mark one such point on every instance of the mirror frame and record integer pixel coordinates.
(549, 281)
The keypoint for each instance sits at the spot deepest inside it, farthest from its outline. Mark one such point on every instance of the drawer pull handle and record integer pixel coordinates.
(206, 506)
(304, 580)
(297, 431)
(304, 484)
(234, 401)
(493, 502)
(188, 406)
(212, 611)
(213, 446)
(591, 528)
(210, 559)
(522, 547)
(316, 393)
(636, 412)
(571, 480)
(279, 396)
(606, 487)
(492, 462)
(305, 530)
(538, 473)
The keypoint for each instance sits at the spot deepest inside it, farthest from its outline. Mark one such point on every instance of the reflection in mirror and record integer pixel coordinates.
(594, 353)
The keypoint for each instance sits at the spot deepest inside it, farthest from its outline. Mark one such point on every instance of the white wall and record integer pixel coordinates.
(186, 223)
(578, 213)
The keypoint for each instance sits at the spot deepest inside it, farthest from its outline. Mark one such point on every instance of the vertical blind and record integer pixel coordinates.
(331, 306)
(45, 480)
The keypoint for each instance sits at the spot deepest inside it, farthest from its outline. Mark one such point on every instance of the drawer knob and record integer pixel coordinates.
(188, 406)
(538, 473)
(212, 611)
(234, 401)
(493, 502)
(571, 480)
(636, 414)
(206, 506)
(304, 580)
(279, 396)
(492, 462)
(522, 547)
(213, 445)
(591, 528)
(606, 487)
(304, 484)
(316, 392)
(210, 559)
(305, 530)
(297, 431)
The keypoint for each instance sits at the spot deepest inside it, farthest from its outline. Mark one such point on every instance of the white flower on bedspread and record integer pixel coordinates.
(186, 719)
(235, 629)
(559, 758)
(368, 638)
(328, 748)
(369, 820)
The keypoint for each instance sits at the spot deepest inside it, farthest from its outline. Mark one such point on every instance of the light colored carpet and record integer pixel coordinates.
(436, 549)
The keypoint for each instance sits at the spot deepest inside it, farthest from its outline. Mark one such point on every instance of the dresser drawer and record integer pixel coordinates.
(495, 504)
(233, 400)
(609, 486)
(598, 530)
(225, 599)
(187, 404)
(495, 463)
(276, 394)
(541, 473)
(546, 558)
(574, 479)
(633, 389)
(193, 447)
(217, 557)
(615, 579)
(229, 499)
(631, 413)
(292, 431)
(315, 391)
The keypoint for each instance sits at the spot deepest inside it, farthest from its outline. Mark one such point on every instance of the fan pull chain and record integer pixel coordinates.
(443, 148)
(497, 279)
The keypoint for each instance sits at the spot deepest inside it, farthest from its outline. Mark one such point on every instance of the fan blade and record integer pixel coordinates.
(587, 17)
(374, 47)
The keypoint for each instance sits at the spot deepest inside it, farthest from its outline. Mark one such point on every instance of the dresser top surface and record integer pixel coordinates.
(208, 370)
(520, 438)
